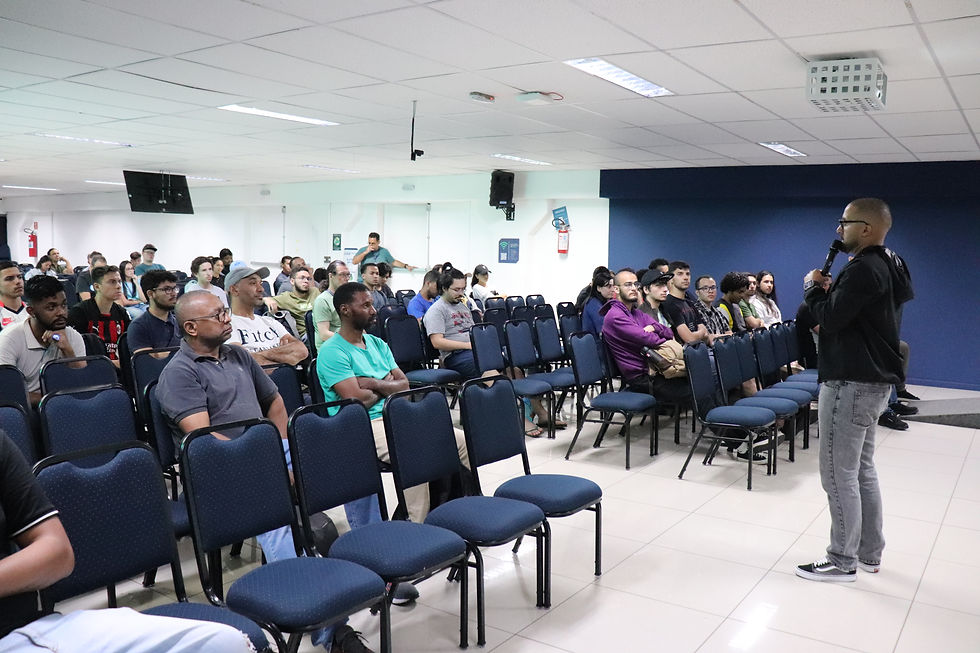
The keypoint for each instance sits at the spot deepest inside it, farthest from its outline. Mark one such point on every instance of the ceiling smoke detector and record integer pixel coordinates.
(846, 85)
(485, 98)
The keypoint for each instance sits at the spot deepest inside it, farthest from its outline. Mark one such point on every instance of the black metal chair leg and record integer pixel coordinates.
(385, 625)
(578, 430)
(517, 544)
(236, 549)
(150, 578)
(691, 453)
(481, 617)
(602, 431)
(628, 419)
(598, 538)
(464, 602)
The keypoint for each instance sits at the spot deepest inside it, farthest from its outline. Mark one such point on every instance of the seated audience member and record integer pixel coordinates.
(101, 314)
(287, 285)
(585, 293)
(157, 327)
(602, 290)
(480, 291)
(325, 315)
(627, 330)
(202, 269)
(654, 285)
(83, 280)
(149, 253)
(217, 272)
(711, 315)
(426, 295)
(683, 316)
(132, 298)
(285, 265)
(752, 319)
(135, 258)
(35, 553)
(263, 337)
(227, 258)
(299, 301)
(319, 276)
(44, 266)
(372, 279)
(12, 307)
(734, 287)
(764, 300)
(660, 264)
(43, 337)
(808, 331)
(61, 264)
(384, 276)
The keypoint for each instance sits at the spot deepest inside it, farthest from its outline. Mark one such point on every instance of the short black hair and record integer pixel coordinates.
(98, 257)
(697, 282)
(733, 281)
(51, 250)
(99, 272)
(225, 252)
(294, 271)
(9, 264)
(39, 288)
(375, 235)
(430, 276)
(345, 293)
(153, 278)
(446, 278)
(365, 266)
(384, 269)
(319, 274)
(285, 259)
(657, 262)
(677, 265)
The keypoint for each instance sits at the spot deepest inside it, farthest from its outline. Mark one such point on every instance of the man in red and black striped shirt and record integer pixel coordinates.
(101, 314)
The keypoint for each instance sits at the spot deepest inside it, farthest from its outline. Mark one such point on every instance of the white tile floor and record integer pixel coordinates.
(701, 564)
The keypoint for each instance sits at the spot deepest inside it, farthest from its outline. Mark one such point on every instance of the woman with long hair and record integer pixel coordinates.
(764, 300)
(478, 285)
(132, 298)
(601, 290)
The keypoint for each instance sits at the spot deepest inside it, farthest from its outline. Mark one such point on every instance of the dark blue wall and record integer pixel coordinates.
(783, 219)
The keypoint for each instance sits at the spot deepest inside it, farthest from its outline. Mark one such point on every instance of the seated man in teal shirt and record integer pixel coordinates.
(356, 365)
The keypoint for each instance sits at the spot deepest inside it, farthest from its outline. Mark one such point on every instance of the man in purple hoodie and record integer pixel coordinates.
(626, 330)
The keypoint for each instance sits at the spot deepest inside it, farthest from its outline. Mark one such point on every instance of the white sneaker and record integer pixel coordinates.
(870, 567)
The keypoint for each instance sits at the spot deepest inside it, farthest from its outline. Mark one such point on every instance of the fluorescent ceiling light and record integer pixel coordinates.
(520, 159)
(252, 111)
(106, 183)
(206, 178)
(28, 187)
(785, 150)
(605, 70)
(329, 169)
(83, 140)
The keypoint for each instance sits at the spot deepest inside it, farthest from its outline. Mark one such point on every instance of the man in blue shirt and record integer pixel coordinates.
(149, 252)
(157, 327)
(375, 253)
(426, 296)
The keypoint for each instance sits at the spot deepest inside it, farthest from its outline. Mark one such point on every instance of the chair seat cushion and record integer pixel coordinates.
(530, 387)
(486, 521)
(808, 375)
(812, 388)
(782, 407)
(555, 494)
(555, 379)
(214, 614)
(178, 514)
(748, 416)
(801, 397)
(434, 377)
(398, 549)
(633, 402)
(298, 593)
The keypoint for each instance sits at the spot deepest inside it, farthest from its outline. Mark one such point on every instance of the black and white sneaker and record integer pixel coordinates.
(905, 394)
(404, 594)
(757, 458)
(869, 567)
(890, 420)
(903, 409)
(826, 571)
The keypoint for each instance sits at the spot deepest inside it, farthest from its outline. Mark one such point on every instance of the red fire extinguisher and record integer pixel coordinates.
(563, 241)
(32, 244)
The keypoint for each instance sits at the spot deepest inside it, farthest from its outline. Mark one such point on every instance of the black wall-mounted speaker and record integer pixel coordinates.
(501, 188)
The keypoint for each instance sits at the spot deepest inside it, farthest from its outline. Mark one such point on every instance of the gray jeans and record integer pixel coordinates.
(848, 413)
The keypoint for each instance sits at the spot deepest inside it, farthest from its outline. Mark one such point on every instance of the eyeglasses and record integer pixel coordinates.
(708, 288)
(630, 284)
(846, 222)
(220, 316)
(342, 275)
(170, 290)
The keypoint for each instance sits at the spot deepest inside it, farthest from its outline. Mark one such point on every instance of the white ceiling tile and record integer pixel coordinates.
(882, 158)
(929, 10)
(18, 36)
(785, 102)
(504, 123)
(900, 49)
(199, 76)
(949, 143)
(949, 156)
(868, 146)
(643, 112)
(766, 160)
(11, 79)
(832, 159)
(28, 98)
(813, 148)
(664, 70)
(634, 137)
(722, 162)
(568, 117)
(670, 25)
(735, 149)
(925, 123)
(401, 97)
(764, 130)
(973, 117)
(73, 91)
(718, 107)
(967, 90)
(579, 34)
(625, 153)
(918, 95)
(823, 16)
(36, 64)
(326, 12)
(747, 66)
(954, 43)
(333, 103)
(62, 116)
(698, 133)
(685, 152)
(575, 85)
(459, 86)
(840, 127)
(564, 140)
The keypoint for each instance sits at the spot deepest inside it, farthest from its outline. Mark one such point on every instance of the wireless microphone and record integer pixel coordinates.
(835, 247)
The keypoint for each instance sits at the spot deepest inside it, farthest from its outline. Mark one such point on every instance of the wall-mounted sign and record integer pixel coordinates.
(509, 250)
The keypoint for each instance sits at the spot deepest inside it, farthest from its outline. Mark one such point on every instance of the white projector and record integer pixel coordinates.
(846, 85)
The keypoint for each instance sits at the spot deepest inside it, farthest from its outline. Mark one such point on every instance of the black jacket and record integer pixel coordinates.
(859, 319)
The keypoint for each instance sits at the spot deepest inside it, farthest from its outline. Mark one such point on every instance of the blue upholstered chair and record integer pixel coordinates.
(513, 302)
(58, 374)
(287, 382)
(124, 495)
(16, 423)
(145, 367)
(589, 372)
(310, 332)
(403, 297)
(419, 430)
(335, 462)
(313, 382)
(524, 356)
(404, 338)
(496, 302)
(535, 300)
(238, 489)
(81, 419)
(13, 388)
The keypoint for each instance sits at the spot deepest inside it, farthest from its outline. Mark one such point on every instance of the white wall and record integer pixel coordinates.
(423, 221)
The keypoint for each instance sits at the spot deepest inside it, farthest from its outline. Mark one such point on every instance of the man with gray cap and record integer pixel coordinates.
(263, 337)
(149, 252)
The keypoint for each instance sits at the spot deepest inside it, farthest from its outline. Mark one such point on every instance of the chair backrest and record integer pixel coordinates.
(431, 353)
(404, 337)
(235, 489)
(567, 325)
(780, 346)
(403, 297)
(334, 457)
(520, 344)
(496, 302)
(116, 517)
(313, 383)
(125, 362)
(726, 359)
(384, 313)
(421, 441)
(792, 341)
(267, 289)
(535, 300)
(492, 421)
(746, 356)
(704, 389)
(566, 308)
(287, 381)
(497, 317)
(485, 343)
(544, 310)
(585, 359)
(524, 313)
(549, 342)
(161, 435)
(147, 368)
(513, 302)
(13, 387)
(94, 345)
(72, 420)
(310, 332)
(15, 422)
(71, 295)
(765, 356)
(58, 374)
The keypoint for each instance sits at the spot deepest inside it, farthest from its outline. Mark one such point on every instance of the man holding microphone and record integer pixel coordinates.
(859, 361)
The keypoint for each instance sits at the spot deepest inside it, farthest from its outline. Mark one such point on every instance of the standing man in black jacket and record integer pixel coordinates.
(859, 362)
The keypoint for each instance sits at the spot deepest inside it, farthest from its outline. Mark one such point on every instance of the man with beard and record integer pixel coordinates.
(263, 337)
(157, 327)
(688, 326)
(299, 299)
(44, 336)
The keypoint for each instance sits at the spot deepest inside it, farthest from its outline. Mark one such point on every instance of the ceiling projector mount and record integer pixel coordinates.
(846, 85)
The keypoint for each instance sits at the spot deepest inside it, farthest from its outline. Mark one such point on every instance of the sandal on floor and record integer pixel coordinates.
(535, 432)
(559, 425)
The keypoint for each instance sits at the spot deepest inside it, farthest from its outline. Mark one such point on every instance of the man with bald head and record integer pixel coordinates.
(859, 361)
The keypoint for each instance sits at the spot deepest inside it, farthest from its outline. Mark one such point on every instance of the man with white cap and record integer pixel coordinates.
(263, 337)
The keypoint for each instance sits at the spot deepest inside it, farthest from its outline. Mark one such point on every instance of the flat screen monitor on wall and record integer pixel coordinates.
(155, 192)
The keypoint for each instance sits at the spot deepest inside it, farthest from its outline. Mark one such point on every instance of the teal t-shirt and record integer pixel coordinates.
(338, 360)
